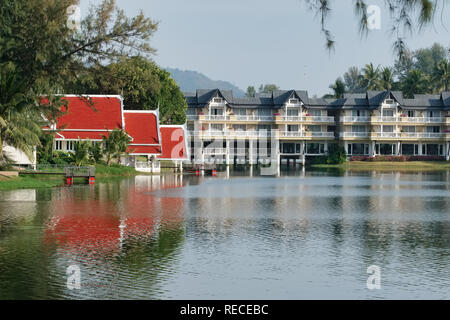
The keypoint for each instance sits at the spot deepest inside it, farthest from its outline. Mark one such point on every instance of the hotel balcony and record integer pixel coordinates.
(392, 135)
(354, 119)
(361, 135)
(256, 118)
(415, 120)
(210, 134)
(307, 134)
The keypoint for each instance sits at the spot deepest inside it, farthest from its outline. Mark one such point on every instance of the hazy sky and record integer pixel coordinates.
(249, 42)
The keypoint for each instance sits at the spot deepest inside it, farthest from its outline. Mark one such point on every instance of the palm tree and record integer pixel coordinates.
(20, 124)
(81, 154)
(371, 77)
(386, 79)
(441, 75)
(415, 82)
(115, 145)
(352, 79)
(338, 88)
(22, 113)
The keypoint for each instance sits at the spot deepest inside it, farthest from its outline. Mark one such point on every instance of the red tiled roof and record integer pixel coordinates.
(173, 143)
(142, 126)
(132, 149)
(93, 112)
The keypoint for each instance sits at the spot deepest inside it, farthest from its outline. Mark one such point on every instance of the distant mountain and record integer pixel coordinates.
(189, 81)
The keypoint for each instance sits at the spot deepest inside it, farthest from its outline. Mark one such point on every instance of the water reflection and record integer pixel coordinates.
(302, 235)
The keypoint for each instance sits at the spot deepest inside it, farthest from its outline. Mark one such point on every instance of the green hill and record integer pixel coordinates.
(189, 81)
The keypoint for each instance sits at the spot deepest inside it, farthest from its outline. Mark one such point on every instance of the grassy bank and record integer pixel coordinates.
(102, 172)
(30, 182)
(388, 165)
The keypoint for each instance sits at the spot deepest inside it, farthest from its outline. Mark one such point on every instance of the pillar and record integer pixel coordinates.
(447, 151)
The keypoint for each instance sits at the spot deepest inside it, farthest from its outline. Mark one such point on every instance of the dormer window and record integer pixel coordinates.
(218, 100)
(389, 101)
(294, 101)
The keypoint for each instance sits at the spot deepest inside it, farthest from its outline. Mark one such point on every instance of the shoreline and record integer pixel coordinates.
(411, 166)
(104, 173)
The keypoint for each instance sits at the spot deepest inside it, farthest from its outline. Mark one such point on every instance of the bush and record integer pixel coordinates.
(337, 155)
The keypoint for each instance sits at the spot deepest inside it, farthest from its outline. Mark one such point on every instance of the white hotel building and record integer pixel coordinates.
(291, 125)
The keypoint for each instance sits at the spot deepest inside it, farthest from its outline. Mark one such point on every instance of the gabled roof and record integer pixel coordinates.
(276, 99)
(143, 127)
(91, 113)
(174, 143)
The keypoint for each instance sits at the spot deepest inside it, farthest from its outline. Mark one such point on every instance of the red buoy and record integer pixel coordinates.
(214, 173)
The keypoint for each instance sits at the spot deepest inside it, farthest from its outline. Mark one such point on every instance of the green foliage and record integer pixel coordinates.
(81, 153)
(62, 158)
(419, 72)
(251, 92)
(406, 17)
(142, 83)
(268, 88)
(115, 145)
(170, 99)
(338, 88)
(39, 54)
(95, 152)
(336, 154)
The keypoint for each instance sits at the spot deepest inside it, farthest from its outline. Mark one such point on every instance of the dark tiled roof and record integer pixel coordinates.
(275, 99)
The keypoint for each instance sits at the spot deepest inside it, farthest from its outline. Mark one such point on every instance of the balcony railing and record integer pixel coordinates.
(319, 119)
(354, 134)
(355, 119)
(409, 119)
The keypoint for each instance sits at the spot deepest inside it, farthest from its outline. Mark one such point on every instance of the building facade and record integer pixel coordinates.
(92, 117)
(289, 125)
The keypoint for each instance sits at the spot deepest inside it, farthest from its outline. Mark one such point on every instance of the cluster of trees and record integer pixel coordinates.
(266, 88)
(41, 54)
(417, 72)
(113, 147)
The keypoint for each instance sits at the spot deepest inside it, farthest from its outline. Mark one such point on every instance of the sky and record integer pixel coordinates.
(250, 42)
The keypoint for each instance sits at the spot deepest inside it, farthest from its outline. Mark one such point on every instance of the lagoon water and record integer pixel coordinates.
(304, 235)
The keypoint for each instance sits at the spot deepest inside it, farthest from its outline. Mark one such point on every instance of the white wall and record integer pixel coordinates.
(18, 156)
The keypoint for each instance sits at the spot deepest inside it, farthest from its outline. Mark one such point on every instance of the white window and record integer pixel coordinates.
(217, 112)
(434, 129)
(411, 113)
(315, 128)
(58, 145)
(191, 112)
(359, 113)
(266, 127)
(239, 127)
(70, 146)
(292, 128)
(389, 101)
(264, 112)
(293, 101)
(388, 113)
(240, 112)
(410, 129)
(218, 100)
(292, 112)
(217, 127)
(388, 128)
(433, 114)
(359, 129)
